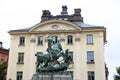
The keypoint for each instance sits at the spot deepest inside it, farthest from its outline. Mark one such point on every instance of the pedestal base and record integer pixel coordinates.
(52, 76)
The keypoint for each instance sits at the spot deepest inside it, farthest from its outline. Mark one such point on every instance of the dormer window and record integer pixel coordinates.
(65, 18)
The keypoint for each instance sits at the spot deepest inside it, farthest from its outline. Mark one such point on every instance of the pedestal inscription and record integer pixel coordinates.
(53, 76)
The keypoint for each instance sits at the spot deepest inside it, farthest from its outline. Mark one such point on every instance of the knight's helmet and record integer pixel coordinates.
(49, 38)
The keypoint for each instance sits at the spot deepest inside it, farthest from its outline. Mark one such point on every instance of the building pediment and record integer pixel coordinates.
(54, 25)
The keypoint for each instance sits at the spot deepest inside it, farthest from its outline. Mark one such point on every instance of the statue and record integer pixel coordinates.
(50, 62)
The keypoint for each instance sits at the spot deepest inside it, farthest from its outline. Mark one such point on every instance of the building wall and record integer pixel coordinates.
(3, 54)
(79, 47)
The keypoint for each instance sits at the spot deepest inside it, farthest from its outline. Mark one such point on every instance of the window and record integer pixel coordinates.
(89, 39)
(22, 41)
(91, 75)
(90, 56)
(19, 75)
(69, 39)
(20, 58)
(55, 39)
(71, 55)
(2, 58)
(40, 40)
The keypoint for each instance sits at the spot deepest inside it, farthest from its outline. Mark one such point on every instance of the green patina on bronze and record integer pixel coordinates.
(50, 62)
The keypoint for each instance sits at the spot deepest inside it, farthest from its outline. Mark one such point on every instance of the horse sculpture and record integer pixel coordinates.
(47, 62)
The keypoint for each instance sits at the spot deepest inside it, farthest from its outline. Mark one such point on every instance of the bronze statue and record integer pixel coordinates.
(49, 62)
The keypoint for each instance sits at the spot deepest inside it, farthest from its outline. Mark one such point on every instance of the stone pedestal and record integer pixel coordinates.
(52, 76)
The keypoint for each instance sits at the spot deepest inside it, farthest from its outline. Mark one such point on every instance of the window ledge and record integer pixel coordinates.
(39, 44)
(21, 45)
(90, 62)
(69, 43)
(90, 43)
(19, 63)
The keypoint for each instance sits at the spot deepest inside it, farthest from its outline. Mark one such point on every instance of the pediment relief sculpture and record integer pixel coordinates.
(55, 26)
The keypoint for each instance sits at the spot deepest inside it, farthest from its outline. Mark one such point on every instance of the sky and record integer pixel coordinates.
(17, 14)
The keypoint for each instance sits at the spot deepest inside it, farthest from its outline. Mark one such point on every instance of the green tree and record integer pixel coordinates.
(117, 76)
(3, 70)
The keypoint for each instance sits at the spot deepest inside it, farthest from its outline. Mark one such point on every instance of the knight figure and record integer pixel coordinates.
(50, 62)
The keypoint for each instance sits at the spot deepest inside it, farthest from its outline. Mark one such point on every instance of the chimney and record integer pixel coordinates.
(46, 15)
(1, 44)
(77, 11)
(77, 15)
(64, 10)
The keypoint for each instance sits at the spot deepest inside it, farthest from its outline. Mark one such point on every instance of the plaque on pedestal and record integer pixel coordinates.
(53, 76)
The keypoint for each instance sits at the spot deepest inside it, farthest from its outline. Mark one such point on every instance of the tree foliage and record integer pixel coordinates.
(3, 71)
(117, 76)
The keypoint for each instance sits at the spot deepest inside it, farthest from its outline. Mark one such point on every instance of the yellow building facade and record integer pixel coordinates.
(86, 42)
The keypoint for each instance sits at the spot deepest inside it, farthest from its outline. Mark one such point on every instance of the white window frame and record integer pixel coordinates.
(22, 41)
(69, 39)
(91, 75)
(20, 58)
(40, 40)
(55, 39)
(89, 39)
(90, 56)
(19, 75)
(3, 58)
